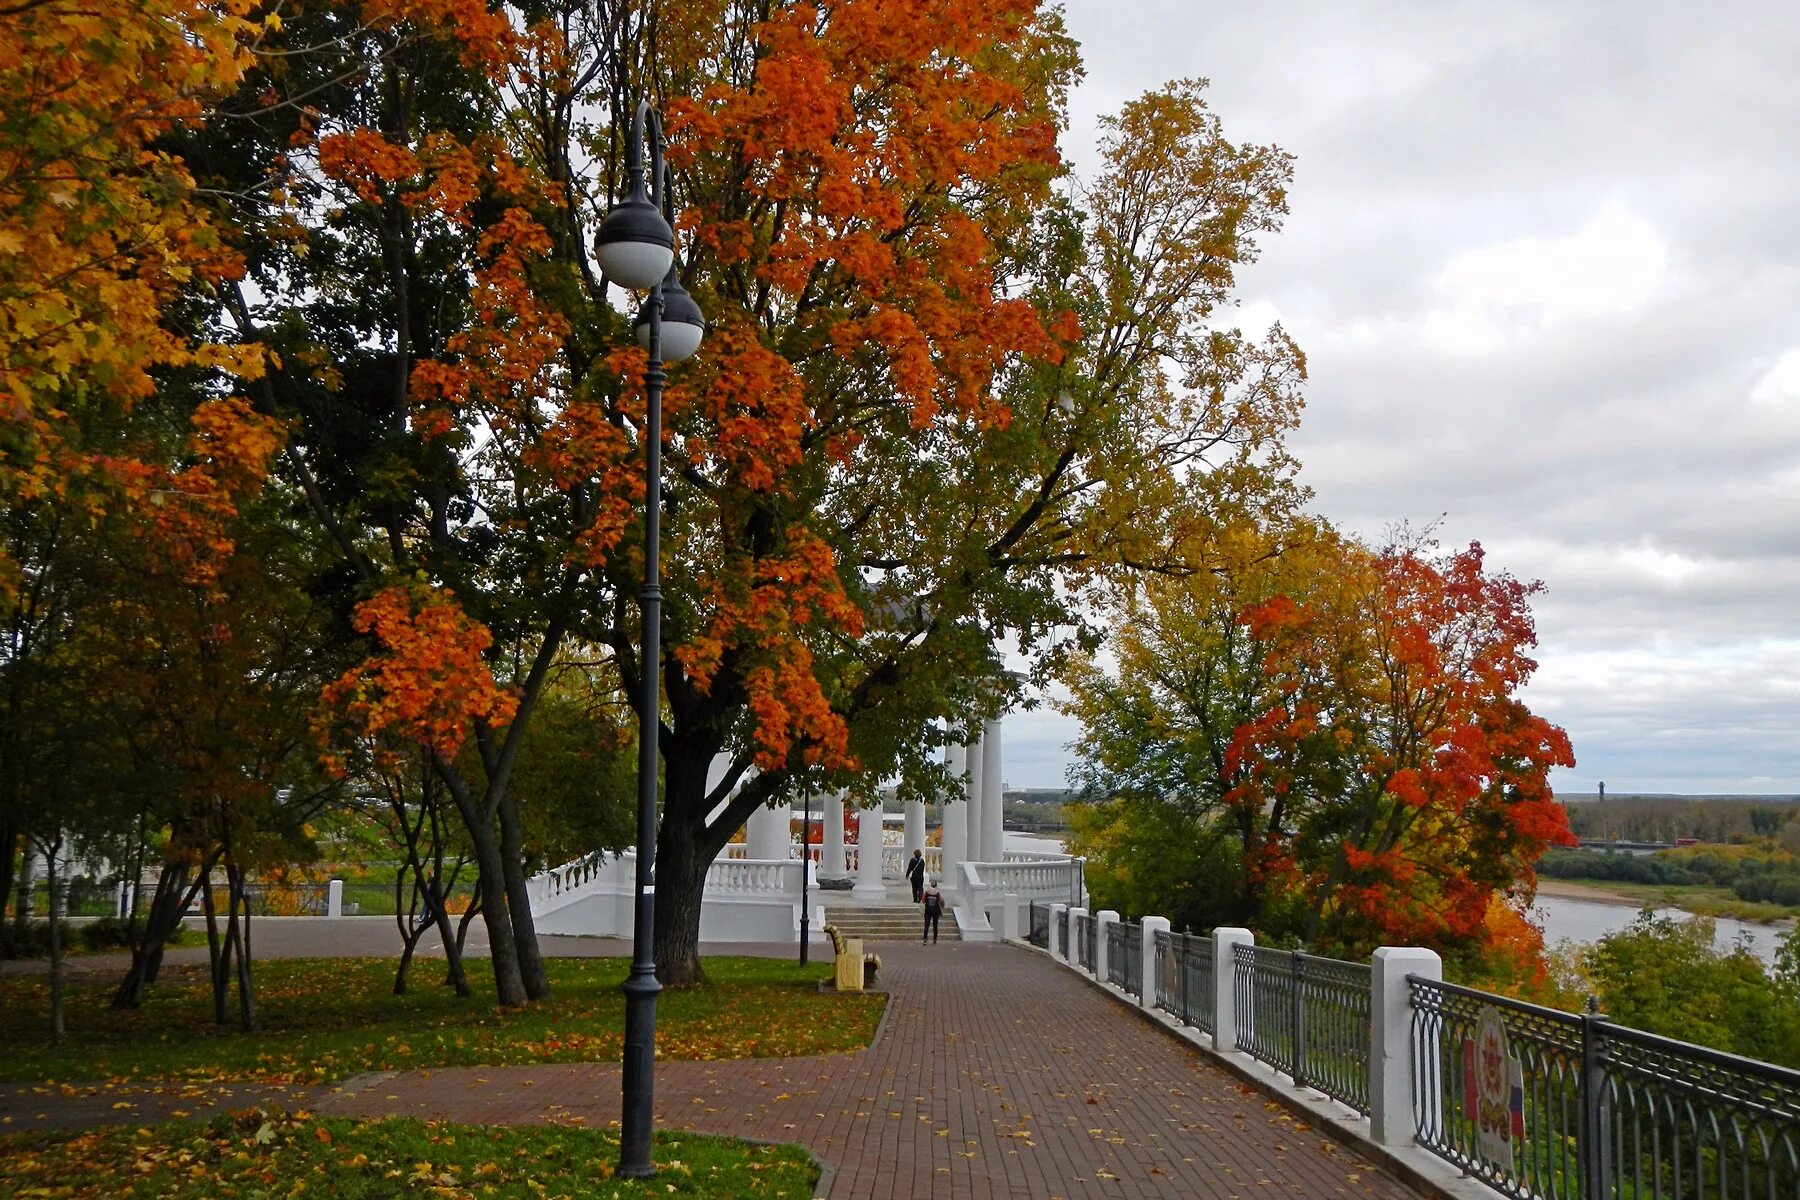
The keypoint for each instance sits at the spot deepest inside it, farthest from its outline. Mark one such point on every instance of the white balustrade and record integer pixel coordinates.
(739, 876)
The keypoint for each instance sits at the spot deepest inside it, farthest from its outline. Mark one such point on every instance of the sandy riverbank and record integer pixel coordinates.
(1569, 890)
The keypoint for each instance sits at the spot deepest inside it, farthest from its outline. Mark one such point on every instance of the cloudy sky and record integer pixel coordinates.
(1544, 259)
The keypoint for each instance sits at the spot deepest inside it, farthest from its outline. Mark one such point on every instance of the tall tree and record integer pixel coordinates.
(937, 401)
(1419, 780)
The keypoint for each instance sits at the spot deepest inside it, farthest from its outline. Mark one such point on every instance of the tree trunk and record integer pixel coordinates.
(11, 848)
(454, 974)
(680, 883)
(509, 985)
(518, 900)
(218, 951)
(173, 895)
(237, 897)
(56, 952)
(22, 902)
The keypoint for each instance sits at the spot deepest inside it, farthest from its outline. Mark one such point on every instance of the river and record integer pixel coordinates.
(1562, 917)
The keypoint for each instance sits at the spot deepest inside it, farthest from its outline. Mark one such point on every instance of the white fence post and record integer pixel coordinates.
(1225, 943)
(1392, 1121)
(1052, 942)
(1009, 917)
(1072, 951)
(1104, 920)
(334, 898)
(1148, 975)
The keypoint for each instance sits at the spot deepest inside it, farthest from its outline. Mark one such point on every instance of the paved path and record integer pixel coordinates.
(996, 1073)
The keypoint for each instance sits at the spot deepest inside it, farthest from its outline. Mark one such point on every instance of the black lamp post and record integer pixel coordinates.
(636, 248)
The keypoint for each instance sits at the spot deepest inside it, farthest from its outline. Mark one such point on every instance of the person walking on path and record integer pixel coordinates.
(915, 874)
(934, 907)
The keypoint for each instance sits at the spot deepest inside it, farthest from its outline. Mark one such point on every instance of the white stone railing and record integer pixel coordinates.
(734, 850)
(1034, 856)
(565, 884)
(730, 875)
(1057, 879)
(893, 861)
(741, 876)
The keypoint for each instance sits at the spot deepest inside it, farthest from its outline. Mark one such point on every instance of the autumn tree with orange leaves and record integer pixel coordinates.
(122, 438)
(1347, 723)
(947, 395)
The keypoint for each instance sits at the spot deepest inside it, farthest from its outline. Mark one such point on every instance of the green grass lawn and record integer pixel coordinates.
(257, 1154)
(326, 1019)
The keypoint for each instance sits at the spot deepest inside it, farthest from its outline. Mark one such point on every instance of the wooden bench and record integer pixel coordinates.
(855, 970)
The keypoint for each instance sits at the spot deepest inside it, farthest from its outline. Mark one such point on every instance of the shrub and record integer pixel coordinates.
(33, 939)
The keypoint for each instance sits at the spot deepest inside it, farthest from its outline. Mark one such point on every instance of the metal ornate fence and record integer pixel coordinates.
(1062, 932)
(1083, 928)
(1125, 956)
(1040, 925)
(1599, 1111)
(1183, 971)
(1307, 1016)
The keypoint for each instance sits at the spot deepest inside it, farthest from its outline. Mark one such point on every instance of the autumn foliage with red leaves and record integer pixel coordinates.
(1418, 780)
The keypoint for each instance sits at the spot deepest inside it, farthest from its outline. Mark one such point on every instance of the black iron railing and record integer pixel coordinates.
(1083, 929)
(1307, 1016)
(1062, 933)
(1184, 979)
(1040, 925)
(1602, 1112)
(1125, 956)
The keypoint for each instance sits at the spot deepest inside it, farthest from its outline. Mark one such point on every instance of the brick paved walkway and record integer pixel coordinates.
(996, 1073)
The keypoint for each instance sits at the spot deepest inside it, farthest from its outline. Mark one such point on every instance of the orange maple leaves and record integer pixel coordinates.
(427, 681)
(763, 619)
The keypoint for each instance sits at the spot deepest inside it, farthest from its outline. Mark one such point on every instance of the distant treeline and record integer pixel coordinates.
(1668, 818)
(1772, 875)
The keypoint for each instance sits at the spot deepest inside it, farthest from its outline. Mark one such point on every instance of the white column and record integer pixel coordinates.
(1224, 994)
(954, 840)
(1056, 946)
(973, 774)
(993, 804)
(1072, 951)
(1147, 959)
(1105, 919)
(868, 854)
(914, 836)
(1392, 1121)
(831, 858)
(768, 834)
(334, 898)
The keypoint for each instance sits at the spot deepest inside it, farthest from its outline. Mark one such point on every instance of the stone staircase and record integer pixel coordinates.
(894, 923)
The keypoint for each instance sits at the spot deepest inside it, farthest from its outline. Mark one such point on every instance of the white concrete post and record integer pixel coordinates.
(973, 790)
(767, 834)
(954, 832)
(1225, 942)
(831, 858)
(913, 837)
(1151, 976)
(334, 898)
(1072, 951)
(993, 785)
(1104, 920)
(1055, 942)
(1392, 1121)
(868, 855)
(1009, 917)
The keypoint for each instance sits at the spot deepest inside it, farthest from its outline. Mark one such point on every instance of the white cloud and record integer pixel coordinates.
(1543, 262)
(1497, 295)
